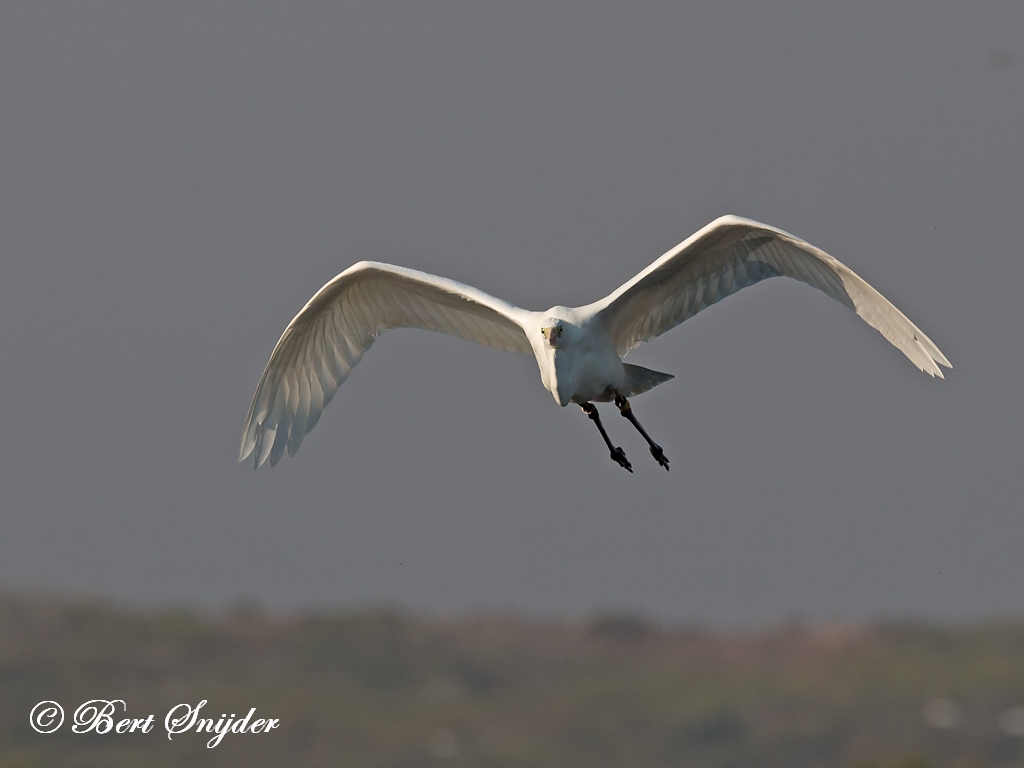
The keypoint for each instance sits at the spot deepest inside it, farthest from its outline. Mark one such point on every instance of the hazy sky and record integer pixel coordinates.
(177, 180)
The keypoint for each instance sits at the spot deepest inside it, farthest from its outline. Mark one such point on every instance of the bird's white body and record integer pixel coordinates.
(582, 365)
(578, 350)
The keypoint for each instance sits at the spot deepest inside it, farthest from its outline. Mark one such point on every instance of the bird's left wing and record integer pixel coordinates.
(731, 253)
(329, 336)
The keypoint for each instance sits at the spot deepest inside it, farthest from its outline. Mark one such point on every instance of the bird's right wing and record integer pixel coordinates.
(328, 337)
(732, 253)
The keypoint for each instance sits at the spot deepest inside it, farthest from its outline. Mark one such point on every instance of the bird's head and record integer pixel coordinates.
(552, 331)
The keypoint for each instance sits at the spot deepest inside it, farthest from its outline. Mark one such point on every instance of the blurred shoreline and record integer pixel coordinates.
(384, 687)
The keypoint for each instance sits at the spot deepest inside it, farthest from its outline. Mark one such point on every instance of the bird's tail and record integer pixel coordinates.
(641, 379)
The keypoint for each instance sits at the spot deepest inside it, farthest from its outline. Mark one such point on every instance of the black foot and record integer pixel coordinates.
(659, 454)
(619, 457)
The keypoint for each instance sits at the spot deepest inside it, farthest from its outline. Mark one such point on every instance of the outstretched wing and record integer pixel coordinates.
(731, 253)
(329, 336)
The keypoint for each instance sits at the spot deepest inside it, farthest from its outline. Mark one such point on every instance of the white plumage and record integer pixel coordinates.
(578, 350)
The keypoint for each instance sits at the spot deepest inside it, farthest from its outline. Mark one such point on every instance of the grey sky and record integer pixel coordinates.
(176, 181)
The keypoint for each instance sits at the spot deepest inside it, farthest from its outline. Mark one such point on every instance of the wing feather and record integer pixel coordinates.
(732, 253)
(325, 341)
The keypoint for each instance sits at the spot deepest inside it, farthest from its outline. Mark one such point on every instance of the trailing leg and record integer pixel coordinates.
(627, 410)
(617, 454)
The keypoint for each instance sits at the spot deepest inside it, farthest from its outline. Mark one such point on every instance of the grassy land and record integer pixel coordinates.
(379, 689)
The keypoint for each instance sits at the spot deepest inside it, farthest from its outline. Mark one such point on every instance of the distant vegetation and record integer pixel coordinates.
(381, 689)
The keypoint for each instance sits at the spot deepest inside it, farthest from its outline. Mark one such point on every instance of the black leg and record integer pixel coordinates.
(626, 410)
(618, 456)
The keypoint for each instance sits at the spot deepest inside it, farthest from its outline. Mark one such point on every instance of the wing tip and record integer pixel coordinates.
(932, 364)
(247, 447)
(252, 445)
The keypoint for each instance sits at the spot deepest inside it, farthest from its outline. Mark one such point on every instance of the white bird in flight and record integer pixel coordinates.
(579, 350)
